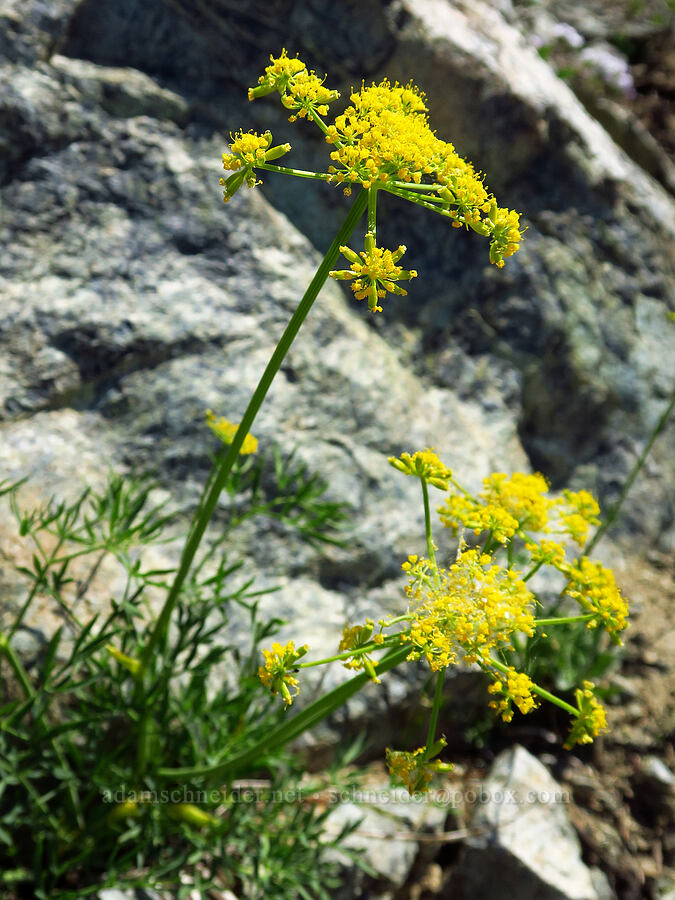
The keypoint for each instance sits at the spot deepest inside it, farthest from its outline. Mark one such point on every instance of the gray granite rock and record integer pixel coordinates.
(523, 845)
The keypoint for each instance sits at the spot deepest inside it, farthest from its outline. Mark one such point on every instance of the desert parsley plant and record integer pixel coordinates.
(81, 807)
(94, 734)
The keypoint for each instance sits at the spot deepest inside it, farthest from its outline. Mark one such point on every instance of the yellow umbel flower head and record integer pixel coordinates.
(514, 687)
(301, 90)
(593, 587)
(577, 511)
(373, 272)
(506, 505)
(275, 673)
(465, 611)
(591, 719)
(383, 140)
(423, 464)
(248, 149)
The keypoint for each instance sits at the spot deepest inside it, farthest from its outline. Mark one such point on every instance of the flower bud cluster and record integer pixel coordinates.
(301, 90)
(374, 272)
(423, 464)
(248, 150)
(276, 674)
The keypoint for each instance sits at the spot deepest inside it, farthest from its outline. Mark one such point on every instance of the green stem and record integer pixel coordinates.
(562, 620)
(298, 173)
(533, 570)
(411, 186)
(613, 512)
(461, 489)
(435, 710)
(372, 212)
(316, 118)
(348, 654)
(206, 508)
(289, 730)
(387, 623)
(490, 542)
(15, 663)
(427, 523)
(408, 195)
(41, 581)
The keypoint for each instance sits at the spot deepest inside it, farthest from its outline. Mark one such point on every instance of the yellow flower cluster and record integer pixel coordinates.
(593, 587)
(249, 149)
(373, 272)
(355, 637)
(302, 91)
(504, 506)
(591, 719)
(578, 510)
(466, 611)
(506, 235)
(226, 430)
(516, 688)
(519, 503)
(409, 768)
(546, 553)
(423, 464)
(275, 673)
(383, 137)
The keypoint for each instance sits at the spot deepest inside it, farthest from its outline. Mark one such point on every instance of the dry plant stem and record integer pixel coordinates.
(217, 481)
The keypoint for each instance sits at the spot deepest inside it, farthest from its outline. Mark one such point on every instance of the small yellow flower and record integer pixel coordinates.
(506, 505)
(506, 235)
(577, 511)
(523, 496)
(591, 719)
(226, 430)
(423, 464)
(545, 552)
(461, 510)
(275, 673)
